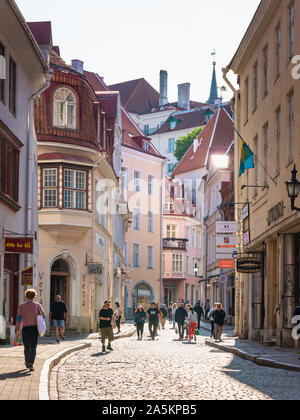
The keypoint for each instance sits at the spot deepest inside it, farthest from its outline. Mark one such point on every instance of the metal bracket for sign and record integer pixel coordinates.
(8, 233)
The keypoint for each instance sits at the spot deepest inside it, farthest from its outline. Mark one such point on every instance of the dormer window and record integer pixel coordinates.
(172, 125)
(145, 145)
(64, 109)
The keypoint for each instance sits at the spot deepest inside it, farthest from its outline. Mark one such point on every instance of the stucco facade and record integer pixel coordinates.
(267, 117)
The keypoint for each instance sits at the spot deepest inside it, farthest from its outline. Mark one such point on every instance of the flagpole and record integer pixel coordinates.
(272, 179)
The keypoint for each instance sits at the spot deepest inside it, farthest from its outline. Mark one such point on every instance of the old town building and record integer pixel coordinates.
(82, 214)
(266, 118)
(22, 78)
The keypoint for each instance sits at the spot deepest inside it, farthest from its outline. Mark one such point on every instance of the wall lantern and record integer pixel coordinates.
(293, 188)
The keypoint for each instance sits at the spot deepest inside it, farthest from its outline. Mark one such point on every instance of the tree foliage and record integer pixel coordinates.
(184, 143)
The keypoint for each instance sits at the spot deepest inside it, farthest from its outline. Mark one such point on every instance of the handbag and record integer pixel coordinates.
(41, 325)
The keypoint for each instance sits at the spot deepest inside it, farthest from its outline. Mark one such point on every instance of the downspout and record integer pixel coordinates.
(206, 255)
(30, 168)
(162, 188)
(237, 329)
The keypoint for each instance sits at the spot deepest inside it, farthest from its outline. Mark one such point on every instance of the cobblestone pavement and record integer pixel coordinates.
(167, 369)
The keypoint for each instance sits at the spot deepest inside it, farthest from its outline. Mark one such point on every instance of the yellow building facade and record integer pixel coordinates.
(266, 117)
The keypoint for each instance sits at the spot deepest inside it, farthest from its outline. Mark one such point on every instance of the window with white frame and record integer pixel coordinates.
(137, 181)
(50, 187)
(136, 255)
(74, 189)
(137, 219)
(187, 265)
(171, 231)
(171, 145)
(150, 222)
(150, 257)
(64, 109)
(125, 178)
(145, 145)
(150, 185)
(177, 263)
(170, 168)
(126, 254)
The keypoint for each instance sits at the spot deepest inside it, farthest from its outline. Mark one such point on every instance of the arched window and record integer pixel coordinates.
(64, 109)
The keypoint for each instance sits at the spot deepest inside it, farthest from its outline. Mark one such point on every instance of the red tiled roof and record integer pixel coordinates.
(137, 96)
(109, 102)
(132, 134)
(42, 32)
(191, 119)
(56, 60)
(216, 137)
(64, 156)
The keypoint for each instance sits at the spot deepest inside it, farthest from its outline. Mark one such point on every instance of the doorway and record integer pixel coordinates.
(60, 279)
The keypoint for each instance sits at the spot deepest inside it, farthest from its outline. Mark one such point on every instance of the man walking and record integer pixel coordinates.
(219, 320)
(58, 317)
(199, 311)
(180, 317)
(153, 317)
(106, 317)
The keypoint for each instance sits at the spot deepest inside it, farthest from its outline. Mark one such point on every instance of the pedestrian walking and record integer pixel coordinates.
(180, 317)
(174, 309)
(212, 321)
(198, 309)
(170, 313)
(118, 316)
(106, 316)
(58, 317)
(163, 319)
(187, 324)
(193, 320)
(139, 321)
(207, 308)
(219, 320)
(27, 319)
(153, 317)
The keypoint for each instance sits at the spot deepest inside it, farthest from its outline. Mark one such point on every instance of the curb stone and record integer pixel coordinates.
(44, 386)
(262, 361)
(49, 364)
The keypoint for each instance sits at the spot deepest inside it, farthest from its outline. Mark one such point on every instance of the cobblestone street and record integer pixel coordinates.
(167, 370)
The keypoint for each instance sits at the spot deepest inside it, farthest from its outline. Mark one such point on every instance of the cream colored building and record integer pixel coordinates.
(267, 106)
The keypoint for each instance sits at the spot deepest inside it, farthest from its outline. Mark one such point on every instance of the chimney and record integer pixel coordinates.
(163, 98)
(78, 66)
(184, 96)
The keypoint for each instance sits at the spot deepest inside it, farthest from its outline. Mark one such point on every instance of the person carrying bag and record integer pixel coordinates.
(31, 317)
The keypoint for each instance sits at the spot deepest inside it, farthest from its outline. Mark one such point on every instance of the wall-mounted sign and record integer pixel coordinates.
(19, 245)
(94, 268)
(100, 241)
(249, 265)
(275, 213)
(27, 277)
(227, 227)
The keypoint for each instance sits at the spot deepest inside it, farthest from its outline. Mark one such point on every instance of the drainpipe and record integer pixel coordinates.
(206, 255)
(33, 260)
(238, 325)
(162, 188)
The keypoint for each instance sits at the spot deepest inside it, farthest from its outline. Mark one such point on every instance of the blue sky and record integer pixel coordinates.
(128, 39)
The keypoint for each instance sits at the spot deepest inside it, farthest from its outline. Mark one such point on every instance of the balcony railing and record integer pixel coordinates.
(174, 243)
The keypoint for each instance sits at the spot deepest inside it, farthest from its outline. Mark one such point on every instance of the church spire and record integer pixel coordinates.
(214, 89)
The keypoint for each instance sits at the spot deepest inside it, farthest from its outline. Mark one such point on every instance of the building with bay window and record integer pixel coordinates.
(82, 214)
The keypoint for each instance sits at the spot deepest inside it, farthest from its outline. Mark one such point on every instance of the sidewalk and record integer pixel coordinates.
(17, 383)
(255, 352)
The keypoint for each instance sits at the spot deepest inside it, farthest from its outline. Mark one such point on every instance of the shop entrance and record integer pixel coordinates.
(11, 287)
(60, 278)
(141, 296)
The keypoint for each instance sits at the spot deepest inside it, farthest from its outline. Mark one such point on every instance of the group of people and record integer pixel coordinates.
(184, 317)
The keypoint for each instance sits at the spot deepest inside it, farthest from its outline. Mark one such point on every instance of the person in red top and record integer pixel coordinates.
(27, 318)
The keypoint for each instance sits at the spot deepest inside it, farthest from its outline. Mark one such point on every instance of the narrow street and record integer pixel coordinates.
(167, 370)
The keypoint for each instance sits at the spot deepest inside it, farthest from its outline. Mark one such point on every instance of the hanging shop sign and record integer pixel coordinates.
(249, 265)
(27, 277)
(19, 245)
(223, 279)
(227, 227)
(227, 264)
(246, 238)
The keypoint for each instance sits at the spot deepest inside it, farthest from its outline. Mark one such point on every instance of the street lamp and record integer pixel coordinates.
(293, 188)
